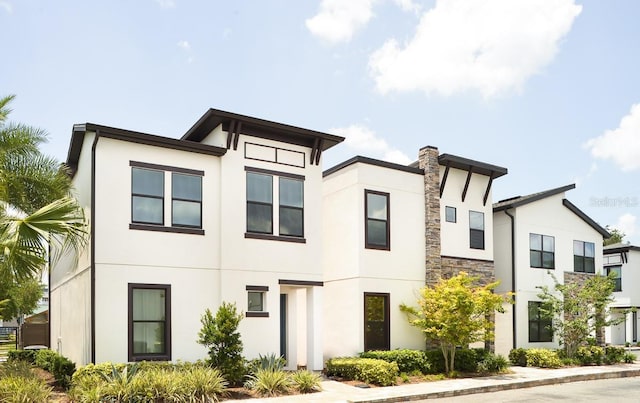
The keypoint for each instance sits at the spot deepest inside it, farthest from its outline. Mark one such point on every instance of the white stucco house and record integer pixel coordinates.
(231, 212)
(623, 260)
(535, 236)
(388, 230)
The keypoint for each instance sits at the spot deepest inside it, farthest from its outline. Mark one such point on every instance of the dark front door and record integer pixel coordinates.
(283, 325)
(376, 321)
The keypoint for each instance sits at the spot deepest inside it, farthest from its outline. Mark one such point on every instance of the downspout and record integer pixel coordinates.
(93, 246)
(513, 276)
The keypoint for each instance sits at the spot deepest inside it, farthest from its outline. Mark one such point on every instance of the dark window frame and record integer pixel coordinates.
(476, 231)
(166, 355)
(446, 214)
(147, 196)
(387, 320)
(387, 221)
(583, 260)
(258, 203)
(286, 207)
(173, 198)
(541, 324)
(617, 280)
(542, 251)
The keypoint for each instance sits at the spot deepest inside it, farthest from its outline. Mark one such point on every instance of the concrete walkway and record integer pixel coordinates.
(521, 377)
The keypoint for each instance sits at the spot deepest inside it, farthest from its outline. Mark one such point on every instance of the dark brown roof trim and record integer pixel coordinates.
(371, 161)
(260, 128)
(585, 218)
(522, 200)
(301, 283)
(617, 248)
(467, 164)
(79, 130)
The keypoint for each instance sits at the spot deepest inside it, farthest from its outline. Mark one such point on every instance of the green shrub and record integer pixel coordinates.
(267, 382)
(205, 384)
(629, 358)
(306, 381)
(92, 372)
(408, 360)
(589, 355)
(493, 363)
(271, 362)
(45, 359)
(220, 334)
(19, 390)
(543, 358)
(22, 355)
(18, 369)
(613, 355)
(63, 370)
(518, 356)
(369, 370)
(465, 360)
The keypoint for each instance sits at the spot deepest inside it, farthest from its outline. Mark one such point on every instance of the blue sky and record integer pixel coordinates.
(546, 88)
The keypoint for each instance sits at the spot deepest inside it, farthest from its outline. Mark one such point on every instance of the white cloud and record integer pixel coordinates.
(337, 20)
(490, 46)
(579, 180)
(184, 45)
(166, 3)
(408, 5)
(6, 5)
(627, 224)
(364, 141)
(622, 145)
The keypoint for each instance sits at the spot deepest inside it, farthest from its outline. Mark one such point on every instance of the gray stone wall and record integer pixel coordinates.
(428, 161)
(484, 269)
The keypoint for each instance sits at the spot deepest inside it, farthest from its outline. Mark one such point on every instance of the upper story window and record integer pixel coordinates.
(148, 204)
(615, 272)
(583, 257)
(262, 188)
(476, 230)
(147, 196)
(542, 251)
(377, 233)
(450, 214)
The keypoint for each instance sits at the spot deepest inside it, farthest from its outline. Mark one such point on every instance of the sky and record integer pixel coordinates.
(549, 89)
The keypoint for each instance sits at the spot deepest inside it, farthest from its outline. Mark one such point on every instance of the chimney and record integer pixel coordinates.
(428, 162)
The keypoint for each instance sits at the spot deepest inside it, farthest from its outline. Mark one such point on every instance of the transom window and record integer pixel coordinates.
(583, 257)
(539, 326)
(542, 251)
(377, 231)
(615, 272)
(149, 322)
(476, 230)
(261, 197)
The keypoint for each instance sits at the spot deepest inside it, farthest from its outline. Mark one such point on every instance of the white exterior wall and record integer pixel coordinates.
(627, 298)
(455, 236)
(547, 217)
(351, 270)
(502, 262)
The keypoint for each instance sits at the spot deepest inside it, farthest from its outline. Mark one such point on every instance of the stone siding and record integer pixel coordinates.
(428, 161)
(484, 269)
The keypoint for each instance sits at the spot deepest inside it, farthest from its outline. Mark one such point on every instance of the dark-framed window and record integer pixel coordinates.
(476, 230)
(149, 322)
(615, 272)
(256, 301)
(291, 200)
(377, 323)
(539, 326)
(584, 257)
(186, 200)
(147, 196)
(377, 228)
(259, 203)
(542, 251)
(450, 214)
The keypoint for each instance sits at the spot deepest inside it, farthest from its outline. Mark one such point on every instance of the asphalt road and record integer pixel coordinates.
(618, 390)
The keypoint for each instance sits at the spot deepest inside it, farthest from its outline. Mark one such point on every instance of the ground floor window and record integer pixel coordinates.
(539, 326)
(149, 322)
(376, 321)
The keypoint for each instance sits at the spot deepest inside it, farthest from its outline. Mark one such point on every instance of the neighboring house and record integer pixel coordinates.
(535, 236)
(388, 230)
(623, 260)
(229, 212)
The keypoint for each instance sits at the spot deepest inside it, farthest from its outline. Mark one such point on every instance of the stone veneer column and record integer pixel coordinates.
(428, 161)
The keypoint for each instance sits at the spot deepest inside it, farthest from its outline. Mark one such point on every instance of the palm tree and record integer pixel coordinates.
(36, 207)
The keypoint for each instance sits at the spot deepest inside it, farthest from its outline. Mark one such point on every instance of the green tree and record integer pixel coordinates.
(220, 334)
(22, 297)
(617, 236)
(578, 311)
(456, 312)
(36, 209)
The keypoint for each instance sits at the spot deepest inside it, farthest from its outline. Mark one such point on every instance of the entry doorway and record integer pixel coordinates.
(376, 321)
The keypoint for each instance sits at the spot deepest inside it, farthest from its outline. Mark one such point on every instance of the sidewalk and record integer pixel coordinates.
(521, 377)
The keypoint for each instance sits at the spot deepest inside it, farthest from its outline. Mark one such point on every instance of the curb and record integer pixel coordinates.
(504, 386)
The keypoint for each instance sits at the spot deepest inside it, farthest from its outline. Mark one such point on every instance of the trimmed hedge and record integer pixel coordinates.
(22, 355)
(409, 361)
(466, 360)
(369, 370)
(518, 356)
